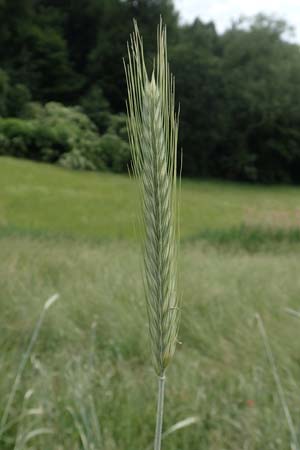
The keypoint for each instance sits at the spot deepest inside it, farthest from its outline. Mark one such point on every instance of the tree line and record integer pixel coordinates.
(61, 64)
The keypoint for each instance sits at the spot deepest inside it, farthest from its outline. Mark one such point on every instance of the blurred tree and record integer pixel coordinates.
(13, 98)
(44, 66)
(262, 77)
(113, 34)
(33, 50)
(4, 87)
(96, 107)
(196, 63)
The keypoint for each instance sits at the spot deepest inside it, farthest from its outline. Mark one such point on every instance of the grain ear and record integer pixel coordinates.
(153, 130)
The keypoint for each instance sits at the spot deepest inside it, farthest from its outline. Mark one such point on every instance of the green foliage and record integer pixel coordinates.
(4, 144)
(262, 75)
(65, 135)
(50, 132)
(3, 92)
(238, 109)
(19, 135)
(46, 67)
(239, 91)
(96, 107)
(115, 150)
(13, 98)
(199, 85)
(17, 99)
(109, 70)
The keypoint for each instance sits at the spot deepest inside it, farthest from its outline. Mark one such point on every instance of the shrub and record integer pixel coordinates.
(19, 136)
(32, 139)
(86, 152)
(50, 132)
(4, 144)
(115, 148)
(65, 135)
(115, 152)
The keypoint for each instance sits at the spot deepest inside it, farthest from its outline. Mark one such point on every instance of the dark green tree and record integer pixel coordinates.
(111, 40)
(262, 77)
(196, 62)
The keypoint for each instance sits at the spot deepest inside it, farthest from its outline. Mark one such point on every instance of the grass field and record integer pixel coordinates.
(43, 199)
(73, 233)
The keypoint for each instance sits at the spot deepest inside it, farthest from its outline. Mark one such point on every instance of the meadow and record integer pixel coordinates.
(89, 383)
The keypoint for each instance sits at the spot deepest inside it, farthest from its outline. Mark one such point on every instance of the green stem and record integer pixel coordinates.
(160, 412)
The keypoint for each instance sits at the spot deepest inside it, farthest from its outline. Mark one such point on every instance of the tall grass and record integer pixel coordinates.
(153, 130)
(22, 436)
(219, 367)
(280, 390)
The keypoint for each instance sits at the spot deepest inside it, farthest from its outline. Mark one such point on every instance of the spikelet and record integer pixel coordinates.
(153, 130)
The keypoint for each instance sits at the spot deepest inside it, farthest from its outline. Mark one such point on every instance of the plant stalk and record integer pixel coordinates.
(160, 412)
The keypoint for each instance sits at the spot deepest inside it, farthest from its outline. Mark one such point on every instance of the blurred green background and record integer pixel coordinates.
(63, 90)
